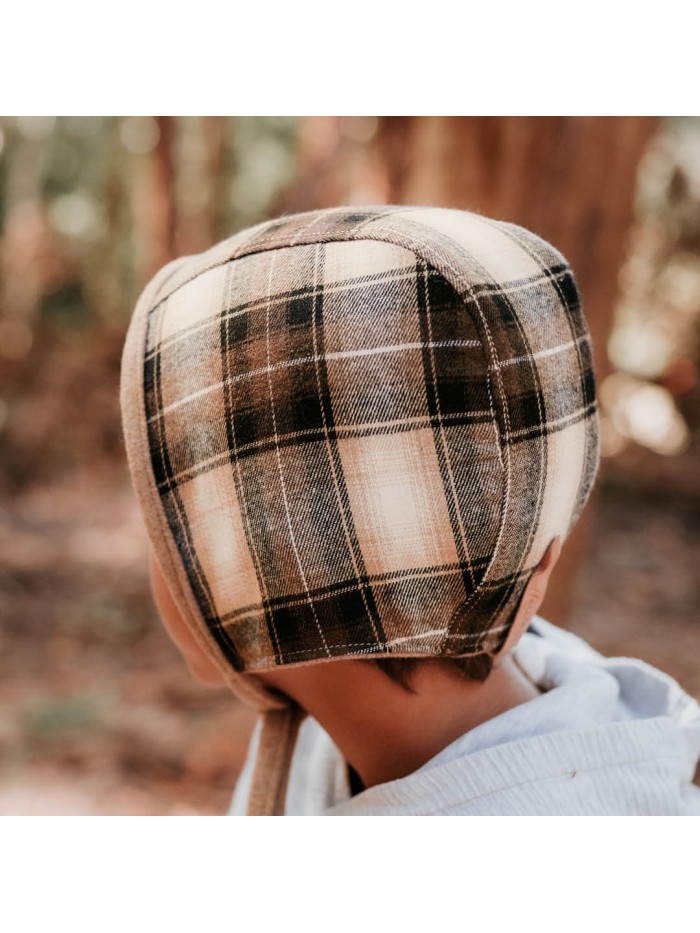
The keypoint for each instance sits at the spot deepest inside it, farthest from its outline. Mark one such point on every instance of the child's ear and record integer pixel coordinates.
(532, 597)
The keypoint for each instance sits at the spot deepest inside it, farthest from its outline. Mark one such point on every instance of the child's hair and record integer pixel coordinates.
(475, 667)
(354, 433)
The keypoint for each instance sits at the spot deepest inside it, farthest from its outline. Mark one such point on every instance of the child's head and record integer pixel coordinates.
(354, 434)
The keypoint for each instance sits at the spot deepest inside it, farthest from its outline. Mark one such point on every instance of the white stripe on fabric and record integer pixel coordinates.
(551, 351)
(300, 360)
(292, 536)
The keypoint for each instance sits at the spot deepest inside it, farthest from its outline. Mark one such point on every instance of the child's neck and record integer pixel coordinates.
(386, 732)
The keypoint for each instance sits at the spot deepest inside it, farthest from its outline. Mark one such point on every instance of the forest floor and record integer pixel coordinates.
(98, 714)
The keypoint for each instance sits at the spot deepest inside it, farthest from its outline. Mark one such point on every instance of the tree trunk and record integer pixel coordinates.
(164, 206)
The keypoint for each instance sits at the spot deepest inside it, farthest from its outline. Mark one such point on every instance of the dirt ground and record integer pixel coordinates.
(98, 715)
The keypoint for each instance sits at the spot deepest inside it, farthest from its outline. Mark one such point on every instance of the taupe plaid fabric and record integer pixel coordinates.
(364, 426)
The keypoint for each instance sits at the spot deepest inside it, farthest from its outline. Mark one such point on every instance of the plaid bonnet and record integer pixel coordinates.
(353, 433)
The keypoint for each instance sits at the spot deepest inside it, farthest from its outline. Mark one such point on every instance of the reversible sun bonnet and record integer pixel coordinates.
(353, 433)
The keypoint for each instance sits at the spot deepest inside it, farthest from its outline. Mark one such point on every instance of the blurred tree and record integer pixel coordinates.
(90, 208)
(201, 190)
(164, 205)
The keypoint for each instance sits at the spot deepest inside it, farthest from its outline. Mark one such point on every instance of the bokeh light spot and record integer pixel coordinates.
(140, 135)
(36, 128)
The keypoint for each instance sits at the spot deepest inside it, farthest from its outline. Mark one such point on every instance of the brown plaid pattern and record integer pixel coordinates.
(364, 426)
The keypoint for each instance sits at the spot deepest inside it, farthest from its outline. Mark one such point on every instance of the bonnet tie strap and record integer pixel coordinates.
(278, 735)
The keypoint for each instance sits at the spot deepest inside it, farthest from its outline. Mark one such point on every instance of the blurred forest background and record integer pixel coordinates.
(97, 711)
